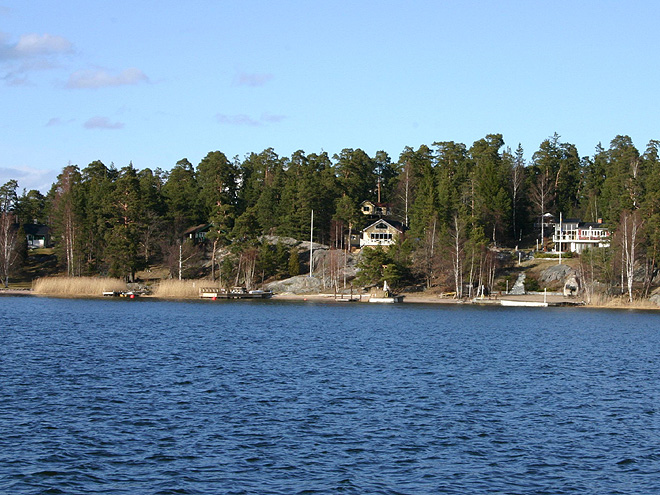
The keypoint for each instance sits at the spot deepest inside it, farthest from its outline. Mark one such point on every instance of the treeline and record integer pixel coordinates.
(457, 203)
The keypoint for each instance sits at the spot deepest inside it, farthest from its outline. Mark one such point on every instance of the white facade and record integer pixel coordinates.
(577, 236)
(379, 233)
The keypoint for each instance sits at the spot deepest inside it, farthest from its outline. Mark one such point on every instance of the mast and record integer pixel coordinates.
(311, 236)
(560, 235)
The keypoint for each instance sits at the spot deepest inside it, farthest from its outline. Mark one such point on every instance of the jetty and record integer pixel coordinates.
(234, 293)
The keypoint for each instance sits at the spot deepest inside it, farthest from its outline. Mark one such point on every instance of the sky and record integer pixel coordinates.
(152, 82)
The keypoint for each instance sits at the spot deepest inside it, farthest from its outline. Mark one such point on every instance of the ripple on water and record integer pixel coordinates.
(273, 398)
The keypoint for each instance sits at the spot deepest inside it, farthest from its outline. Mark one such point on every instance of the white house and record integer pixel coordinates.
(381, 233)
(576, 236)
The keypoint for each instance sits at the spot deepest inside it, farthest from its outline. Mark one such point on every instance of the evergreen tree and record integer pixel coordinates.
(622, 185)
(294, 262)
(490, 192)
(122, 238)
(181, 194)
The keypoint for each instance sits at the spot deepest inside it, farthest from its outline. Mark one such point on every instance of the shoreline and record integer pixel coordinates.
(410, 298)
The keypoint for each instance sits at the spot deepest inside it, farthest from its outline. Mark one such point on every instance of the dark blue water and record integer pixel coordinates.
(147, 397)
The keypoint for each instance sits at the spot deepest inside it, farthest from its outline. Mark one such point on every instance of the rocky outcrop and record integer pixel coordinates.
(655, 297)
(301, 284)
(556, 273)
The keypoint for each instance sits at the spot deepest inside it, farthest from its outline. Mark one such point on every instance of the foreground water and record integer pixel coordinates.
(147, 397)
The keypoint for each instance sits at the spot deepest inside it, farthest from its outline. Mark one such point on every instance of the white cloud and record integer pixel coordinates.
(100, 78)
(32, 52)
(33, 45)
(102, 123)
(45, 44)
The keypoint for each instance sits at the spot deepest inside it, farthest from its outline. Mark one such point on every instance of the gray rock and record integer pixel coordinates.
(655, 297)
(301, 284)
(556, 273)
(518, 288)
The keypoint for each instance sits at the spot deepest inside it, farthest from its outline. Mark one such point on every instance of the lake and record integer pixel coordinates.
(268, 397)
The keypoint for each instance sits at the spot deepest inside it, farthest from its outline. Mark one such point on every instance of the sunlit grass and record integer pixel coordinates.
(179, 289)
(77, 286)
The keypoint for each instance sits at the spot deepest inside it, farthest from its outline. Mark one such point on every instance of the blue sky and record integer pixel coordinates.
(155, 81)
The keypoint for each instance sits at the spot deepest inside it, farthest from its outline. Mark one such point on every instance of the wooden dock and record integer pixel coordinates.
(236, 293)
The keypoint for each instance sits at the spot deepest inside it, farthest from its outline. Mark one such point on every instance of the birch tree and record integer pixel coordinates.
(9, 233)
(630, 229)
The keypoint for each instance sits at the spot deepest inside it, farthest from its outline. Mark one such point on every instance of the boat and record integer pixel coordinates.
(526, 304)
(384, 295)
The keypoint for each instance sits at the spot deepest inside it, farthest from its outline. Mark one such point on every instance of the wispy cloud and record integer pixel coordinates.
(57, 121)
(272, 119)
(33, 45)
(32, 52)
(242, 119)
(12, 173)
(29, 178)
(100, 78)
(102, 123)
(257, 79)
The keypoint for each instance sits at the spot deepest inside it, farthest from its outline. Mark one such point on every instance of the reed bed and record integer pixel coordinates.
(77, 286)
(621, 302)
(179, 289)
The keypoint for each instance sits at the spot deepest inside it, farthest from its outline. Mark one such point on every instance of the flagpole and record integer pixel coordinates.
(311, 237)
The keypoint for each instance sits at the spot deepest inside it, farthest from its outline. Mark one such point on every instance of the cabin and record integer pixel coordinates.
(371, 209)
(37, 235)
(573, 235)
(381, 233)
(197, 234)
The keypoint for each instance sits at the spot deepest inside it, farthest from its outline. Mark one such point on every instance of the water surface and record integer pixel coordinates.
(267, 397)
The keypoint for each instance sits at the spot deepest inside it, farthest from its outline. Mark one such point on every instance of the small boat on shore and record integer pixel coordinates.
(525, 304)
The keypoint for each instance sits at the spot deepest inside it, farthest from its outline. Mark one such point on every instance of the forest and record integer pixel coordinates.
(460, 206)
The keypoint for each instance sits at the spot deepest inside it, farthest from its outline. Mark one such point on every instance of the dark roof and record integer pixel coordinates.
(394, 223)
(36, 229)
(593, 225)
(198, 228)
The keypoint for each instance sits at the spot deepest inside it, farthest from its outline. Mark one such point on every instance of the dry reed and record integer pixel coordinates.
(77, 286)
(179, 289)
(621, 302)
